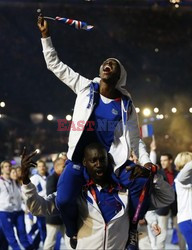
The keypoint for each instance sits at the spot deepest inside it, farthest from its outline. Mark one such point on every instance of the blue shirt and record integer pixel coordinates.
(103, 121)
(107, 114)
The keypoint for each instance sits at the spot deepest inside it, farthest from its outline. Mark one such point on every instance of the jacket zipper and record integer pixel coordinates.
(105, 235)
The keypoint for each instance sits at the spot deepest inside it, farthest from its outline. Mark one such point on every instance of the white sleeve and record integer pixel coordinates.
(72, 79)
(36, 204)
(137, 144)
(185, 175)
(153, 156)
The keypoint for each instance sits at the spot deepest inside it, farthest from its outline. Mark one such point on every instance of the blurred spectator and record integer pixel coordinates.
(18, 170)
(54, 224)
(13, 174)
(39, 180)
(163, 214)
(150, 221)
(11, 214)
(153, 154)
(183, 183)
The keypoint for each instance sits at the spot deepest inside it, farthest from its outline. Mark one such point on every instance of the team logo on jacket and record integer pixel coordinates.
(77, 167)
(114, 111)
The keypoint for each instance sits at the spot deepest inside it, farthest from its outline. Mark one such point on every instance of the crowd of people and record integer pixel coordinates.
(107, 187)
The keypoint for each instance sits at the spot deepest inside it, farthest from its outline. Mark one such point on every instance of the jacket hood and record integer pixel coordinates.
(122, 80)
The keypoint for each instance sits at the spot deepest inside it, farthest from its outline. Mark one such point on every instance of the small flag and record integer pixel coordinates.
(74, 23)
(147, 130)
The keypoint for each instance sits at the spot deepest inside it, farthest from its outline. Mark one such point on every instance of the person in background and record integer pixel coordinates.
(183, 183)
(4, 243)
(150, 221)
(18, 170)
(11, 213)
(54, 224)
(153, 153)
(169, 173)
(148, 227)
(13, 174)
(39, 180)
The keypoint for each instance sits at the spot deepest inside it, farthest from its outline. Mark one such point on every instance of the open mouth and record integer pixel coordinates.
(107, 69)
(99, 172)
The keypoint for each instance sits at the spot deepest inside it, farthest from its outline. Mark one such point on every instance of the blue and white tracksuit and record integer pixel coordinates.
(99, 219)
(11, 214)
(40, 183)
(119, 141)
(183, 184)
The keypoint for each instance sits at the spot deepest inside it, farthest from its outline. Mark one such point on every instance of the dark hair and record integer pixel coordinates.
(170, 157)
(94, 145)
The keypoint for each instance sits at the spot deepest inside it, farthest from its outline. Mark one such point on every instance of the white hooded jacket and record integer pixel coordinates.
(125, 139)
(93, 233)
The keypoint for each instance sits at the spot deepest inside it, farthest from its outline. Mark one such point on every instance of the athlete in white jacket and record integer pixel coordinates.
(11, 213)
(103, 203)
(102, 100)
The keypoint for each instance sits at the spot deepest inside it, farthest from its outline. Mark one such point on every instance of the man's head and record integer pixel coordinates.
(166, 161)
(59, 165)
(96, 162)
(41, 168)
(110, 71)
(5, 168)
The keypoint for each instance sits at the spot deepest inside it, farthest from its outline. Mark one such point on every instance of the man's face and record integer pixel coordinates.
(41, 168)
(6, 169)
(110, 69)
(165, 162)
(59, 166)
(96, 162)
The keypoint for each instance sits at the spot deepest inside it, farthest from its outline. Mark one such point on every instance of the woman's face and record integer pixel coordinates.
(13, 174)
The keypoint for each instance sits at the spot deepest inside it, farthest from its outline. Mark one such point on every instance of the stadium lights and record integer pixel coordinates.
(2, 104)
(156, 110)
(68, 117)
(175, 1)
(160, 117)
(50, 117)
(146, 112)
(137, 110)
(156, 50)
(173, 110)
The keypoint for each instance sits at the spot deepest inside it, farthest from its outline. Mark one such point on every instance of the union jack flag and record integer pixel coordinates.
(74, 23)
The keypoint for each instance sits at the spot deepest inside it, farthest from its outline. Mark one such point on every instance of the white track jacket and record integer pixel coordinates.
(125, 139)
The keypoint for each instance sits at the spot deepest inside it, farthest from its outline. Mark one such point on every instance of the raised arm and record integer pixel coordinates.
(137, 144)
(185, 175)
(36, 204)
(72, 79)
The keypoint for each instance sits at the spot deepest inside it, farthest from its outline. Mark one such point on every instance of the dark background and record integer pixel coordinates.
(152, 39)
